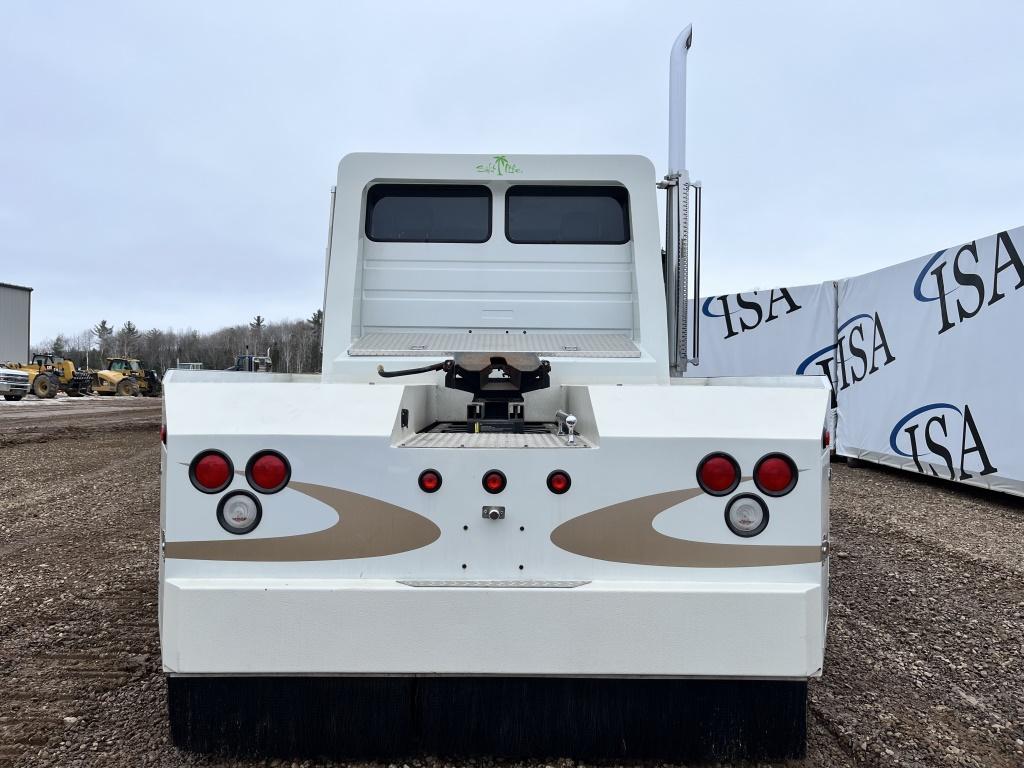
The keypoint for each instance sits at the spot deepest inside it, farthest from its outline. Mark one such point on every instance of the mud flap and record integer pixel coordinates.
(590, 719)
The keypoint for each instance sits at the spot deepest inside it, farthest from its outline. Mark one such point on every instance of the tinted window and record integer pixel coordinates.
(567, 215)
(428, 213)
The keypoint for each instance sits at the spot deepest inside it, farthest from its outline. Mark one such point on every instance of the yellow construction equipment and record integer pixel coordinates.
(116, 379)
(126, 376)
(49, 373)
(147, 378)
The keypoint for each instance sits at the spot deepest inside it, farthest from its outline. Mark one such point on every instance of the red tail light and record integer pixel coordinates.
(559, 481)
(163, 434)
(430, 480)
(826, 438)
(494, 481)
(775, 474)
(718, 474)
(210, 471)
(268, 472)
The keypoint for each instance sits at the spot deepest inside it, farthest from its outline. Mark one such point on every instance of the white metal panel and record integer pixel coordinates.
(345, 437)
(268, 409)
(496, 284)
(546, 344)
(333, 626)
(565, 312)
(769, 413)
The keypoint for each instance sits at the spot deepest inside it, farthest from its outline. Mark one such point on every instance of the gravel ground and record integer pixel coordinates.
(924, 650)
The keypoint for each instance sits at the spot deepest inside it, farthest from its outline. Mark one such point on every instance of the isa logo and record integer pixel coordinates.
(961, 286)
(748, 311)
(861, 350)
(943, 434)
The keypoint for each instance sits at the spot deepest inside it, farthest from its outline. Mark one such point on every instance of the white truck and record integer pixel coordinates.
(500, 521)
(13, 383)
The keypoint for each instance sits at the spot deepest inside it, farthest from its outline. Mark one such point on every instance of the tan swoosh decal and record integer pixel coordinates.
(366, 527)
(624, 533)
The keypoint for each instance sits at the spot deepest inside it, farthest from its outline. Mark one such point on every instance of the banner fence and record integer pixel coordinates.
(924, 357)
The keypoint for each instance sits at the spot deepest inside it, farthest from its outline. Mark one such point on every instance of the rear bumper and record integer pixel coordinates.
(600, 628)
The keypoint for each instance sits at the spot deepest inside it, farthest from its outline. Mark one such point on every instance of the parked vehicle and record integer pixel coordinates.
(14, 384)
(500, 521)
(118, 378)
(253, 363)
(148, 380)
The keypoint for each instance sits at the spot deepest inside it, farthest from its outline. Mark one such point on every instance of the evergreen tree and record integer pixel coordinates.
(128, 336)
(103, 334)
(256, 326)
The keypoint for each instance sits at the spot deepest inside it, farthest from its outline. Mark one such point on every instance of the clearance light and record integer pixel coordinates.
(718, 474)
(239, 512)
(210, 471)
(775, 474)
(746, 515)
(268, 472)
(559, 481)
(430, 480)
(494, 481)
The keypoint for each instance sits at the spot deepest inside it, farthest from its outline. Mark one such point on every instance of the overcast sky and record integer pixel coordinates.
(170, 163)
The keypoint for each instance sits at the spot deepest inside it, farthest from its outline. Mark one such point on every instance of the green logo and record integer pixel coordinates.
(500, 166)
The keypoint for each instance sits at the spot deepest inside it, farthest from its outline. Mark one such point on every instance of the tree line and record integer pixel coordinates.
(294, 344)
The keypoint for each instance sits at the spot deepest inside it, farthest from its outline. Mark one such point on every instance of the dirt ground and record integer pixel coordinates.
(924, 664)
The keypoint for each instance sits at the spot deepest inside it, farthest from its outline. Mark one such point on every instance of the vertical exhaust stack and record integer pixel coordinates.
(677, 103)
(677, 186)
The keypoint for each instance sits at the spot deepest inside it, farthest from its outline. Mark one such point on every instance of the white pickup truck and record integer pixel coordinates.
(499, 521)
(13, 383)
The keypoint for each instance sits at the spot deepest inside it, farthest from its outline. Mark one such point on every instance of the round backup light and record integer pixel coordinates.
(775, 474)
(559, 481)
(718, 474)
(239, 512)
(494, 481)
(210, 471)
(746, 515)
(430, 480)
(268, 472)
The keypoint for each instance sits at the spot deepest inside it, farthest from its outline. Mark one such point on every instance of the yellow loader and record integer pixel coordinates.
(118, 378)
(49, 374)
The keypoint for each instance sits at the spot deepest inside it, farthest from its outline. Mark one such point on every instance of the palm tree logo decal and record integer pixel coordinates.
(499, 166)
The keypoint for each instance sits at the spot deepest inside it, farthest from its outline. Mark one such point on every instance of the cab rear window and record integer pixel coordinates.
(428, 213)
(573, 215)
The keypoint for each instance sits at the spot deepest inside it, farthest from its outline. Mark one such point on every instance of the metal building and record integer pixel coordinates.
(15, 312)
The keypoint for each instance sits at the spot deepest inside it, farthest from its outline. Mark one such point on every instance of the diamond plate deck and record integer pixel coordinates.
(489, 440)
(515, 584)
(611, 345)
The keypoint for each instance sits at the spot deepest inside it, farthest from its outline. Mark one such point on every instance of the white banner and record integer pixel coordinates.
(766, 333)
(928, 364)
